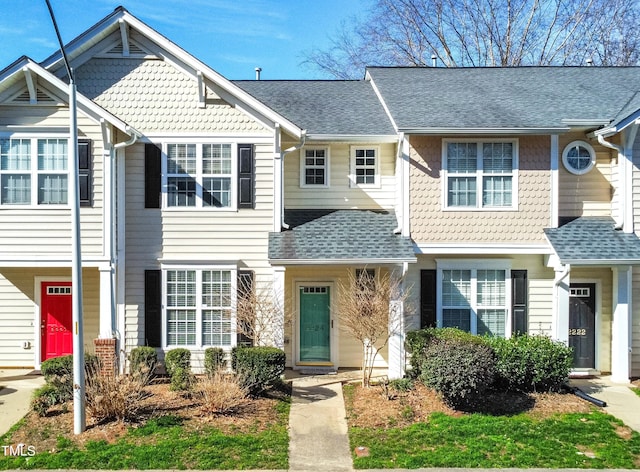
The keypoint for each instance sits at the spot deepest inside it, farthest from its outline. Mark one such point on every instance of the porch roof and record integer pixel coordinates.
(594, 241)
(340, 237)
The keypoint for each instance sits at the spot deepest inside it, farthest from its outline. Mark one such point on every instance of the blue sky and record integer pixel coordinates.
(231, 36)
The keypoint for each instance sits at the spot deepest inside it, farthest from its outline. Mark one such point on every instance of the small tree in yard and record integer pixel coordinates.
(260, 317)
(370, 309)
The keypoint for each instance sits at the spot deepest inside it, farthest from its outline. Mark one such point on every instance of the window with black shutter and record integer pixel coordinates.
(519, 301)
(152, 175)
(246, 176)
(153, 308)
(84, 171)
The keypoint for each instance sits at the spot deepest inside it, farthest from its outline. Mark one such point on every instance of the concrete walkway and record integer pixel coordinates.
(16, 387)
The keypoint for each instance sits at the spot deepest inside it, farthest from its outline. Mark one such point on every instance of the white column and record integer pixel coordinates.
(560, 328)
(107, 327)
(621, 324)
(279, 301)
(396, 359)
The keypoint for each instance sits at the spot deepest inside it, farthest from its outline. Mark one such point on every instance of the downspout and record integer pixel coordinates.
(399, 169)
(134, 137)
(619, 224)
(303, 139)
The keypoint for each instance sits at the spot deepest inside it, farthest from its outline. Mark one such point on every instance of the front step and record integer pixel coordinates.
(318, 371)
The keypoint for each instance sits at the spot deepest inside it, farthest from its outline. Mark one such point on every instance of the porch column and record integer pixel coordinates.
(621, 324)
(396, 328)
(560, 327)
(107, 326)
(279, 302)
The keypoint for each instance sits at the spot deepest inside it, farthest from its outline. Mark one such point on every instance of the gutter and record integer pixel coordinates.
(303, 139)
(135, 135)
(619, 224)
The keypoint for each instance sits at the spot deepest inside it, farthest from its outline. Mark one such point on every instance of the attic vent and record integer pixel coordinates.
(134, 50)
(42, 97)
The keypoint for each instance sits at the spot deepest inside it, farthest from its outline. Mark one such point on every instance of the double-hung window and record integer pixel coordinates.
(480, 174)
(475, 300)
(199, 309)
(315, 167)
(365, 166)
(200, 175)
(33, 171)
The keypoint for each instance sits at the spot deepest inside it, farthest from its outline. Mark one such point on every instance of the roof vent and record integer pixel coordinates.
(434, 60)
(589, 61)
(258, 70)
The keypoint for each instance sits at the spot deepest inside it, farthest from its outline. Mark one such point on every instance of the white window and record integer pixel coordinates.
(199, 308)
(475, 300)
(365, 166)
(578, 157)
(200, 175)
(314, 168)
(33, 171)
(480, 174)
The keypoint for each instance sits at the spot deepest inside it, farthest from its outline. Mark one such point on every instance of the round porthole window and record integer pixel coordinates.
(578, 157)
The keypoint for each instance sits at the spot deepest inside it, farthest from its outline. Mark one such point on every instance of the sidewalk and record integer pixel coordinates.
(16, 387)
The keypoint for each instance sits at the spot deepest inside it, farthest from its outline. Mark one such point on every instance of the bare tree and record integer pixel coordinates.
(260, 317)
(370, 308)
(484, 33)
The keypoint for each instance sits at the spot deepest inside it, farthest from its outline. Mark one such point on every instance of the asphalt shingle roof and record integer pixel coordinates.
(592, 240)
(340, 235)
(333, 107)
(517, 97)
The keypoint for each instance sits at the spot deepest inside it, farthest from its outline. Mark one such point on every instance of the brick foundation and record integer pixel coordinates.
(106, 353)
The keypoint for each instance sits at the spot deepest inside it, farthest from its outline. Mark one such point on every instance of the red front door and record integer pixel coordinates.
(55, 321)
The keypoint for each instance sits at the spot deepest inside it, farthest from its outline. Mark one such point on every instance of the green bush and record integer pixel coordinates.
(58, 373)
(531, 363)
(417, 342)
(178, 365)
(213, 360)
(258, 367)
(143, 361)
(44, 398)
(461, 371)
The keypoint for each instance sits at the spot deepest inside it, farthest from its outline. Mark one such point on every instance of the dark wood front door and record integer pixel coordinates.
(582, 325)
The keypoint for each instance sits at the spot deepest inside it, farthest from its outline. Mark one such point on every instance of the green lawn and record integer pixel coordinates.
(584, 440)
(164, 443)
(636, 390)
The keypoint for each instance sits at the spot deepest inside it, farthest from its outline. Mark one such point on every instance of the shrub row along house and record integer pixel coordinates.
(507, 198)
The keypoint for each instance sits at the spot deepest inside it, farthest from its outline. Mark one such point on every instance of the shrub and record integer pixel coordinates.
(44, 398)
(213, 360)
(142, 363)
(460, 371)
(58, 373)
(531, 363)
(114, 397)
(417, 342)
(258, 367)
(178, 365)
(221, 393)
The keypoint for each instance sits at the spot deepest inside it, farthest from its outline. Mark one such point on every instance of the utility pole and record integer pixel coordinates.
(79, 410)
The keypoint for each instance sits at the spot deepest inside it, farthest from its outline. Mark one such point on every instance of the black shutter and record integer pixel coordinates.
(519, 298)
(245, 290)
(153, 308)
(427, 298)
(245, 176)
(152, 175)
(84, 171)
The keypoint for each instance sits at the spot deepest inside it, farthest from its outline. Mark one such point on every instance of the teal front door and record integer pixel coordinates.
(315, 325)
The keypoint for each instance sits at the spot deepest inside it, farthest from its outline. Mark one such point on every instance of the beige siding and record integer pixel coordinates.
(19, 311)
(430, 224)
(340, 194)
(47, 231)
(154, 96)
(636, 184)
(589, 194)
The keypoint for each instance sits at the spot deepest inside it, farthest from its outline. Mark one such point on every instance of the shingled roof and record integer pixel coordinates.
(324, 107)
(339, 236)
(519, 98)
(593, 241)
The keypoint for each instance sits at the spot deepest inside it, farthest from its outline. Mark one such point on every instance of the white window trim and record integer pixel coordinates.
(565, 157)
(474, 265)
(34, 172)
(199, 175)
(199, 268)
(479, 176)
(352, 167)
(303, 167)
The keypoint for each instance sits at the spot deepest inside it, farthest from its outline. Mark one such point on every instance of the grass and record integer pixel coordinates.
(573, 440)
(636, 390)
(165, 443)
